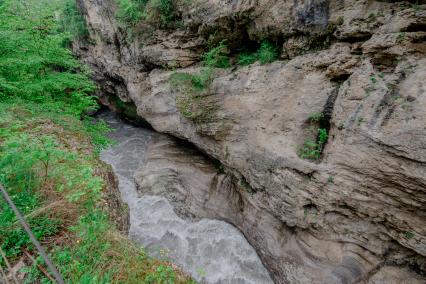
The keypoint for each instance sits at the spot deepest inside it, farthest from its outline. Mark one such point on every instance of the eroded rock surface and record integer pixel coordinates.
(198, 189)
(212, 251)
(345, 217)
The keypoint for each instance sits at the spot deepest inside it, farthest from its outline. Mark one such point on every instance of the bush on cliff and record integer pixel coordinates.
(161, 13)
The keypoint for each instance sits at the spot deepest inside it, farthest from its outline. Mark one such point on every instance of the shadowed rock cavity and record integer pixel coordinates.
(356, 213)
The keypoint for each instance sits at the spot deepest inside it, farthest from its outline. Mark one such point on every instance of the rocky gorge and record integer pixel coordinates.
(354, 211)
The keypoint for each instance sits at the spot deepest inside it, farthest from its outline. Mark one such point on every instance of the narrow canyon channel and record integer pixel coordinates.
(212, 251)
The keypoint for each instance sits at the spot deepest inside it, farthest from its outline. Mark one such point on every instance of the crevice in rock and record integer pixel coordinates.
(340, 78)
(325, 121)
(125, 110)
(415, 27)
(355, 39)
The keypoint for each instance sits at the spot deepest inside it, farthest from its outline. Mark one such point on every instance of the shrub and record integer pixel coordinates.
(165, 9)
(316, 116)
(267, 53)
(131, 12)
(46, 72)
(312, 150)
(217, 57)
(247, 58)
(72, 21)
(48, 161)
(192, 82)
(322, 136)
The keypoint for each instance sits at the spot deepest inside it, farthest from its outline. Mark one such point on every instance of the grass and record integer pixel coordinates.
(49, 159)
(160, 13)
(316, 117)
(191, 87)
(312, 150)
(217, 57)
(267, 53)
(49, 165)
(72, 21)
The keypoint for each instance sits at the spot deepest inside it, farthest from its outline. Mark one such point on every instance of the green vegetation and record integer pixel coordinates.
(157, 12)
(408, 235)
(246, 58)
(34, 64)
(130, 12)
(312, 150)
(191, 88)
(49, 154)
(316, 116)
(373, 79)
(267, 53)
(217, 57)
(401, 37)
(72, 21)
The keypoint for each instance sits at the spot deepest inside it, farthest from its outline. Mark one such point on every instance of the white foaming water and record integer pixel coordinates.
(211, 251)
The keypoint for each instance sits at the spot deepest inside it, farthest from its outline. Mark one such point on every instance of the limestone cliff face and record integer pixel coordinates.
(357, 213)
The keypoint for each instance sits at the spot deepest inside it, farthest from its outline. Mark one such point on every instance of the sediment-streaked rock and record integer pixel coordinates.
(358, 209)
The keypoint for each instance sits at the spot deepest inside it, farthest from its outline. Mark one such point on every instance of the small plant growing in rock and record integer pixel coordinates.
(316, 116)
(267, 53)
(400, 38)
(191, 87)
(158, 12)
(416, 7)
(217, 57)
(408, 235)
(312, 150)
(247, 58)
(322, 136)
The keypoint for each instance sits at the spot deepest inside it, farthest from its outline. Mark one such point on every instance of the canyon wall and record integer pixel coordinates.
(354, 213)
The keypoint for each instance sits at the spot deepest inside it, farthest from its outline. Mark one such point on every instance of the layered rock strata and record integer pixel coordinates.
(357, 212)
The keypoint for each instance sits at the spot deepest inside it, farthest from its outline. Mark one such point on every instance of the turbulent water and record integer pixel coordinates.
(211, 251)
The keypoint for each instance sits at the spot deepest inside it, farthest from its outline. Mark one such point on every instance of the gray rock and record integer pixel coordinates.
(342, 217)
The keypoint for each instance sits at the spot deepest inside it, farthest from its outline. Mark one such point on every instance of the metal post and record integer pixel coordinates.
(3, 276)
(8, 266)
(33, 239)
